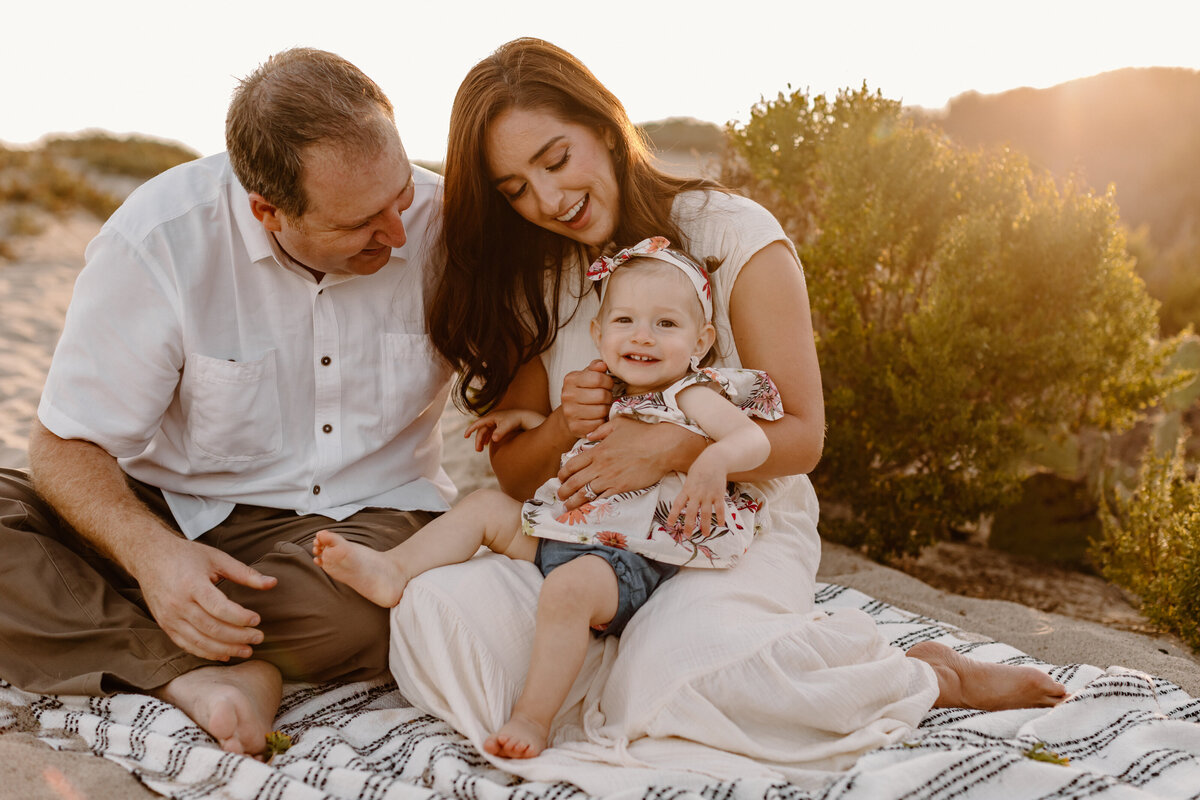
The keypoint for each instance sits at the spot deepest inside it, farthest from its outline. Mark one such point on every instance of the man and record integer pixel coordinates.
(244, 363)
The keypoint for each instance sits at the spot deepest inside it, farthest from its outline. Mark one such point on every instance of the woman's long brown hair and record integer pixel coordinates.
(496, 304)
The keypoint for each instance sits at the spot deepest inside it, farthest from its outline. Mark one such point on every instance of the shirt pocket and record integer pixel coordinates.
(232, 408)
(413, 374)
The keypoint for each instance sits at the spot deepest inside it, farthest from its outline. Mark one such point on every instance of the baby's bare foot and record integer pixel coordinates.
(967, 683)
(369, 572)
(520, 737)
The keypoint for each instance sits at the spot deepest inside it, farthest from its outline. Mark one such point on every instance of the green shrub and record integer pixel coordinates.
(961, 300)
(1151, 544)
(1172, 277)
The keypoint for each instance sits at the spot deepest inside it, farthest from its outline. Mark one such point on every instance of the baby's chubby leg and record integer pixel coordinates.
(486, 517)
(574, 597)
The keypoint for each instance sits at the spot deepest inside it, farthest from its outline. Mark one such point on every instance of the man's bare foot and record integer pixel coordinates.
(520, 737)
(235, 704)
(967, 683)
(369, 572)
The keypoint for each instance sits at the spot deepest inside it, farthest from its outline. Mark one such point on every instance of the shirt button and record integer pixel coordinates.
(326, 361)
(327, 428)
(316, 490)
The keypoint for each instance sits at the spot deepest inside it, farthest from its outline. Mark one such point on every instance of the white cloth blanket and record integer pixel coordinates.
(1126, 735)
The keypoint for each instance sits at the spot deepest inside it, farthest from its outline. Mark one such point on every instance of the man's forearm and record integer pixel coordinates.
(88, 489)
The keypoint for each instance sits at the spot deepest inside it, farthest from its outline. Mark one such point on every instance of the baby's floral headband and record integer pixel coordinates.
(657, 247)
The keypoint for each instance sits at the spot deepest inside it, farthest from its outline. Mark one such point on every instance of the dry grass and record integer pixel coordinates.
(65, 174)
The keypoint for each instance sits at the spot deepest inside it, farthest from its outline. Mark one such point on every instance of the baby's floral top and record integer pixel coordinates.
(636, 521)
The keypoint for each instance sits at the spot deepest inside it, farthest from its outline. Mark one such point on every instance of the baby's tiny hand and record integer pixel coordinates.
(498, 425)
(701, 500)
(484, 429)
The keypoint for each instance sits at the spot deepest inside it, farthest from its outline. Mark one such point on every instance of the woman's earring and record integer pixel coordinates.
(695, 361)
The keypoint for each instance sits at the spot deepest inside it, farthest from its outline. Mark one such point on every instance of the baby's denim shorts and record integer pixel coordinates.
(637, 577)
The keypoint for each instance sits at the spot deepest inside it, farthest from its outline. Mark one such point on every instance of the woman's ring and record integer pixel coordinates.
(588, 493)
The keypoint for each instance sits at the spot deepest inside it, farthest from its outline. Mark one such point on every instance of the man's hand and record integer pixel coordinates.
(177, 577)
(178, 581)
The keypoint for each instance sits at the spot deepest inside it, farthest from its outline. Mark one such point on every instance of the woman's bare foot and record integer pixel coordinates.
(369, 572)
(967, 683)
(521, 737)
(235, 704)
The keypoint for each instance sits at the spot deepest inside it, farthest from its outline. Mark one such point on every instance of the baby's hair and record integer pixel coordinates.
(645, 265)
(650, 265)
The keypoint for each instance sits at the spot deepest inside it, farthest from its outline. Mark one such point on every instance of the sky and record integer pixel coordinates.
(167, 69)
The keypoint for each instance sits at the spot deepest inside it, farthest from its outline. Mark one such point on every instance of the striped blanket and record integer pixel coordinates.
(1121, 734)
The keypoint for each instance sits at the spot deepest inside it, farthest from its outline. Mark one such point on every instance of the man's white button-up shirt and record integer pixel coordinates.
(221, 372)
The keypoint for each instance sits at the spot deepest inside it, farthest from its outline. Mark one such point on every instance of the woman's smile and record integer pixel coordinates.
(574, 211)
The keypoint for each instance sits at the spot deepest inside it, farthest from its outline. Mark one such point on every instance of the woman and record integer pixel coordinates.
(544, 170)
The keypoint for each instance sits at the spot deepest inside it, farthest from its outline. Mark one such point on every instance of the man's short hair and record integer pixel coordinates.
(295, 99)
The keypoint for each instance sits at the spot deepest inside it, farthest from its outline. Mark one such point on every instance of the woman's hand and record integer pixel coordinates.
(628, 455)
(586, 398)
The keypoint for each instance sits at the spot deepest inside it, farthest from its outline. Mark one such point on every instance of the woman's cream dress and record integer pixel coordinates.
(723, 673)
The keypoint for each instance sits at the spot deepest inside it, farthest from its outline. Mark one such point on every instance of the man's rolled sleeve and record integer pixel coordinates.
(117, 364)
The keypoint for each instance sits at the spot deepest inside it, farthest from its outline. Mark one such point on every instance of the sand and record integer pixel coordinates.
(34, 292)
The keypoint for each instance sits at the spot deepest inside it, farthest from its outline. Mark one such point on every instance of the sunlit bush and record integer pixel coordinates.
(1151, 544)
(1172, 276)
(961, 300)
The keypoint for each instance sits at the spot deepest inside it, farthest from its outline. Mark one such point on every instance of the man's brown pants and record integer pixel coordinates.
(73, 622)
